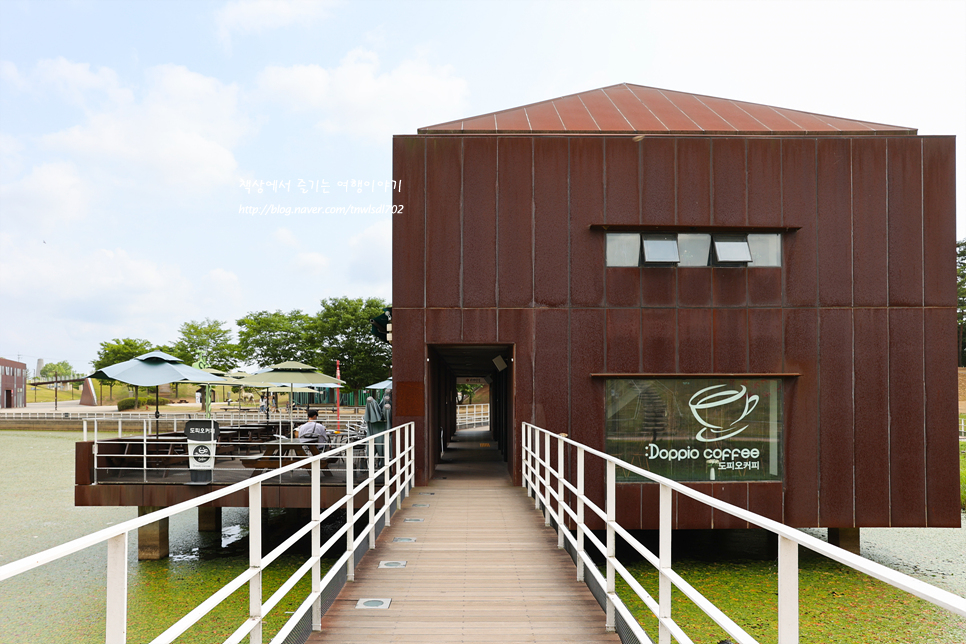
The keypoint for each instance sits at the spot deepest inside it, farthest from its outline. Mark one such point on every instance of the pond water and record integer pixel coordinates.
(64, 602)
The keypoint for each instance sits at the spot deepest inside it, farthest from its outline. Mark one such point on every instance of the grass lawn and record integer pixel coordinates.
(837, 604)
(42, 394)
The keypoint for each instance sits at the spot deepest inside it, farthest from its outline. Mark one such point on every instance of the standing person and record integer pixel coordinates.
(313, 431)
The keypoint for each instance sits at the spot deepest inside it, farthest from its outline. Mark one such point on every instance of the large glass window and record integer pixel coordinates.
(696, 429)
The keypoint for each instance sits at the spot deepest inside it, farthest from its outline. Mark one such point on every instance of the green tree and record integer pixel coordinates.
(961, 297)
(119, 350)
(54, 370)
(270, 337)
(209, 338)
(342, 331)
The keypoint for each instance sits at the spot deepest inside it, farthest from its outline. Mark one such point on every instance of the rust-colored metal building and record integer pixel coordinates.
(13, 383)
(759, 301)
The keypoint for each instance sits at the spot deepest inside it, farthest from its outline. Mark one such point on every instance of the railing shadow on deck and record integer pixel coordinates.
(546, 480)
(397, 472)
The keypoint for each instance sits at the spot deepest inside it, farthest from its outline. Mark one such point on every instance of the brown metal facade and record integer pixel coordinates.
(501, 240)
(13, 383)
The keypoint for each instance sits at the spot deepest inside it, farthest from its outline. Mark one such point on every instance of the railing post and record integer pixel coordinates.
(316, 545)
(546, 483)
(85, 431)
(664, 559)
(144, 449)
(580, 513)
(117, 590)
(525, 456)
(787, 591)
(535, 468)
(611, 510)
(371, 449)
(560, 491)
(119, 432)
(350, 510)
(255, 560)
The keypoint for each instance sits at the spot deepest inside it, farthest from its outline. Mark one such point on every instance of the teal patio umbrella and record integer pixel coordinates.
(153, 369)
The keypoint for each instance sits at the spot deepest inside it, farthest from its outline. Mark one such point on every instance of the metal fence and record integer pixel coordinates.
(560, 494)
(472, 415)
(232, 416)
(397, 474)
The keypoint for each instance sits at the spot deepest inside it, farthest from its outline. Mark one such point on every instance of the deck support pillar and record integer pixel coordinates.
(152, 538)
(209, 519)
(845, 538)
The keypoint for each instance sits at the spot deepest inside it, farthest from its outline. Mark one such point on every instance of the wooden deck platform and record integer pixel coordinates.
(483, 567)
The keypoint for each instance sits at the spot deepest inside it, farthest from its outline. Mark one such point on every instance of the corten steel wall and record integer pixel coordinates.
(494, 245)
(13, 378)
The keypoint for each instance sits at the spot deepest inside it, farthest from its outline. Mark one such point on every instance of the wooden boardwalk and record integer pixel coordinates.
(483, 567)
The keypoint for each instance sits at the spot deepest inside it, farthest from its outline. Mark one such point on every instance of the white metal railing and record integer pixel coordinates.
(546, 479)
(470, 415)
(962, 429)
(152, 459)
(397, 470)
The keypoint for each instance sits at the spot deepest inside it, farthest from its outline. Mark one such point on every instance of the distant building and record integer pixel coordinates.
(13, 384)
(759, 302)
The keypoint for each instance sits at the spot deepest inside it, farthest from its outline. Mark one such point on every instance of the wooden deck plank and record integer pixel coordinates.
(483, 568)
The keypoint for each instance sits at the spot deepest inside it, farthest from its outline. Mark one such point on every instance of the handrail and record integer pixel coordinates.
(546, 480)
(397, 470)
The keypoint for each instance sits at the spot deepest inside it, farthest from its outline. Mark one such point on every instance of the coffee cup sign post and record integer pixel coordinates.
(202, 437)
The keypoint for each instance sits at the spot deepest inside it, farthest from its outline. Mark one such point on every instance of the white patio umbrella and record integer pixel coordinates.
(292, 373)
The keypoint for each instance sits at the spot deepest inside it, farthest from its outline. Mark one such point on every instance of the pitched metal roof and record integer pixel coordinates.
(630, 109)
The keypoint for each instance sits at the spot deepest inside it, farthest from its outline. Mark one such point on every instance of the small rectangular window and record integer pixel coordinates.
(731, 249)
(695, 249)
(766, 249)
(660, 249)
(623, 249)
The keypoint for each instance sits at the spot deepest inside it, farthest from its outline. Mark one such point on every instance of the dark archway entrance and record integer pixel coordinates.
(447, 363)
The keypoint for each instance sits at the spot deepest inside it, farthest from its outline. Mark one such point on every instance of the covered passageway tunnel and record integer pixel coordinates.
(448, 363)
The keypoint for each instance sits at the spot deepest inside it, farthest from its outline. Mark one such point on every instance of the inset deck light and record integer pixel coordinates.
(374, 602)
(392, 564)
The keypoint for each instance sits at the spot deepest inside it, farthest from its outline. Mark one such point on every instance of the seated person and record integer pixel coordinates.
(313, 431)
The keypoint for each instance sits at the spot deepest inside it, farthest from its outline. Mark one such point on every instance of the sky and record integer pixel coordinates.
(132, 133)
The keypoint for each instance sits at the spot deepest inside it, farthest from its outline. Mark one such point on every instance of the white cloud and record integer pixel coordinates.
(312, 264)
(369, 261)
(50, 196)
(287, 237)
(76, 82)
(9, 74)
(180, 134)
(360, 99)
(10, 160)
(253, 16)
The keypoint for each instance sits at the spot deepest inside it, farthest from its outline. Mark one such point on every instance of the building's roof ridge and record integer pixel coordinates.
(627, 108)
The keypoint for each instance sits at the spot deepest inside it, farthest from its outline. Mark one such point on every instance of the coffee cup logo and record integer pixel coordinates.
(704, 399)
